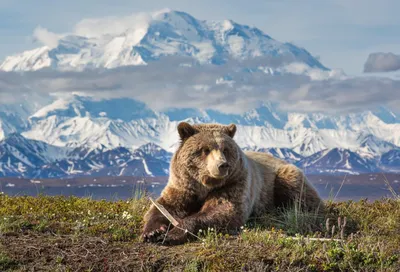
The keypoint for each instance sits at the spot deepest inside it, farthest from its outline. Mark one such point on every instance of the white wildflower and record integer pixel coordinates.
(126, 215)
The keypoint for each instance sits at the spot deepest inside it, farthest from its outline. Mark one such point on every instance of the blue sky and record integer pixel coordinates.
(341, 32)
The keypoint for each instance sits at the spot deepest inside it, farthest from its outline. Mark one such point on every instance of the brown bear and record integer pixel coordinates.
(213, 183)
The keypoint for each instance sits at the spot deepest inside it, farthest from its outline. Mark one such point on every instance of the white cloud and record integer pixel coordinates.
(350, 95)
(165, 84)
(112, 25)
(46, 37)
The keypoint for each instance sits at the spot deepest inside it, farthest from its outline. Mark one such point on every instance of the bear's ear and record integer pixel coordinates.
(185, 130)
(231, 130)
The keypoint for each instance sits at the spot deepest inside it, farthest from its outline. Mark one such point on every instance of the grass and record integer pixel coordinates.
(81, 234)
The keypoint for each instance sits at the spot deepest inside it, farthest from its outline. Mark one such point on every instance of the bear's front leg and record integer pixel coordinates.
(155, 225)
(178, 204)
(217, 212)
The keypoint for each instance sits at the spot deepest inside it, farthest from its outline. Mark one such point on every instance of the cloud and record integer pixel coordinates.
(166, 84)
(337, 96)
(382, 62)
(112, 25)
(46, 37)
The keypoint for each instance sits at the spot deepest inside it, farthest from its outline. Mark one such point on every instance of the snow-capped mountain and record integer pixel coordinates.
(337, 161)
(165, 33)
(390, 161)
(34, 159)
(115, 162)
(282, 153)
(83, 121)
(154, 151)
(20, 156)
(371, 145)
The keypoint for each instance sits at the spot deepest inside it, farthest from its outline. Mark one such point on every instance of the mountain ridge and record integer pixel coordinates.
(35, 159)
(84, 121)
(167, 33)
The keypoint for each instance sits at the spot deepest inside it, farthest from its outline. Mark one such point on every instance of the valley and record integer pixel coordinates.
(334, 187)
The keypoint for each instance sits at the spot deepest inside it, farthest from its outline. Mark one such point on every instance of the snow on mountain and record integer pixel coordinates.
(115, 109)
(14, 115)
(154, 151)
(282, 153)
(12, 120)
(34, 159)
(167, 33)
(337, 160)
(372, 146)
(20, 156)
(147, 160)
(83, 121)
(390, 161)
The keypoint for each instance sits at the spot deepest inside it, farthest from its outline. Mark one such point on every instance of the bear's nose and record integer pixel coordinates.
(223, 166)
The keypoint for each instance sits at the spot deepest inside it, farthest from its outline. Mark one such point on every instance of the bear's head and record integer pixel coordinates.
(207, 153)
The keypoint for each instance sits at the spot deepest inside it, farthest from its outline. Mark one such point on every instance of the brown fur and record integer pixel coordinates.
(213, 183)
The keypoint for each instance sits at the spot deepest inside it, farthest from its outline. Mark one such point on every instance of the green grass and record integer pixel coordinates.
(70, 234)
(7, 264)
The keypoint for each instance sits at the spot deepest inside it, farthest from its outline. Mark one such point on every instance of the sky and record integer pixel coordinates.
(343, 33)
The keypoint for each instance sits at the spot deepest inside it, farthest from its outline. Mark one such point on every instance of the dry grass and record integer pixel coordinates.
(79, 234)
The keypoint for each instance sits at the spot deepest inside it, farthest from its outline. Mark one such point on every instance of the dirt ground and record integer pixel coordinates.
(46, 252)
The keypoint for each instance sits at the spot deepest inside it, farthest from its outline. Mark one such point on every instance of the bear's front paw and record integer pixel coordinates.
(153, 234)
(176, 236)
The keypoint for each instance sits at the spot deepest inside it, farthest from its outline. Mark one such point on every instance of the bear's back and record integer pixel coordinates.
(262, 171)
(268, 162)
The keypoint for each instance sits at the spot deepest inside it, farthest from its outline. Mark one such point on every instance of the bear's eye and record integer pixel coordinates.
(206, 151)
(197, 153)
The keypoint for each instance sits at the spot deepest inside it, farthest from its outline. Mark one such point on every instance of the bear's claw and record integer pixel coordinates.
(155, 235)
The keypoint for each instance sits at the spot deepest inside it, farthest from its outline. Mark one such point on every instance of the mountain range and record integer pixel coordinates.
(78, 134)
(21, 157)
